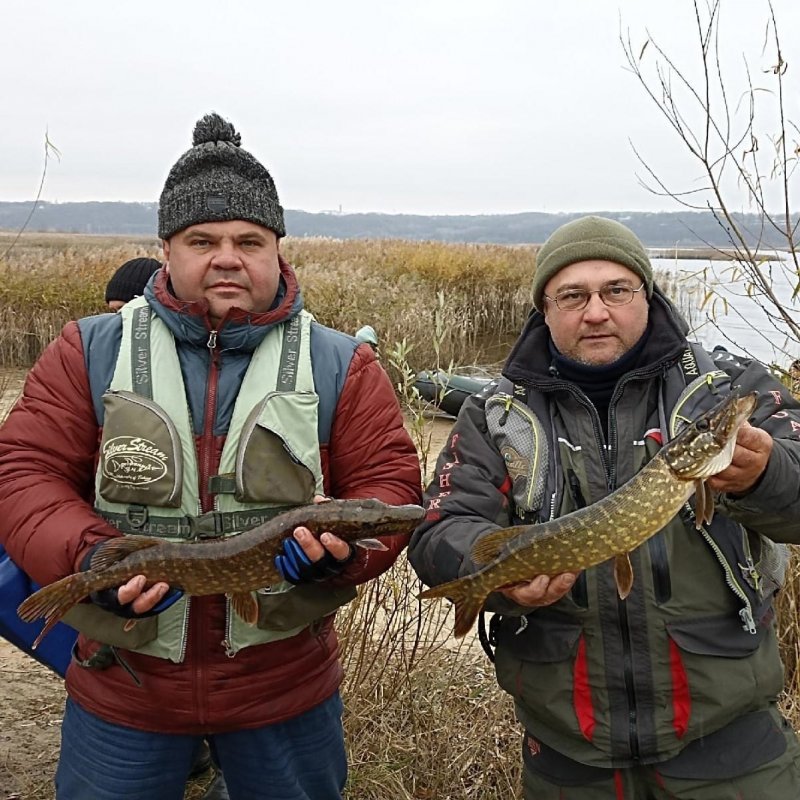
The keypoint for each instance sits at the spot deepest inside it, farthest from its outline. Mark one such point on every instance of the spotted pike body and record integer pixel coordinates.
(237, 565)
(612, 527)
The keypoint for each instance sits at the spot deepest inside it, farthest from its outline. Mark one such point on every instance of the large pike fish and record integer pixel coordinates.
(236, 566)
(612, 527)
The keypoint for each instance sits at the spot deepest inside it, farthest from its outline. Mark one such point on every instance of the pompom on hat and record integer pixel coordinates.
(130, 279)
(217, 181)
(590, 239)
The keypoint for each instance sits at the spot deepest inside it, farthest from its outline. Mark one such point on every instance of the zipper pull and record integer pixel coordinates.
(212, 340)
(746, 615)
(229, 651)
(504, 417)
(750, 570)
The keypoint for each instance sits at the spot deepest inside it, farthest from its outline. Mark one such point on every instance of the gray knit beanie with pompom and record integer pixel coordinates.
(216, 181)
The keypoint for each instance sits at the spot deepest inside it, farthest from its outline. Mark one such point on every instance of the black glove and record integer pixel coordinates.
(108, 599)
(296, 567)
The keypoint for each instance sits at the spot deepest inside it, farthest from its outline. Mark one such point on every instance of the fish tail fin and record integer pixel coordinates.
(52, 602)
(468, 599)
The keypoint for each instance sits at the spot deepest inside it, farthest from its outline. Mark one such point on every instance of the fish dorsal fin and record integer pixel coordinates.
(623, 574)
(703, 504)
(490, 545)
(245, 605)
(120, 547)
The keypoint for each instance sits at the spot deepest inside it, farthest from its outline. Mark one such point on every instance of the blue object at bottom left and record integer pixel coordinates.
(55, 650)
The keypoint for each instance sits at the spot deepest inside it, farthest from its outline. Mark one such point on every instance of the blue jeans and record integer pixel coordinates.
(300, 759)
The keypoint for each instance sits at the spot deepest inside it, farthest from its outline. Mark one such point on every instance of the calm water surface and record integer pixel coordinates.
(739, 322)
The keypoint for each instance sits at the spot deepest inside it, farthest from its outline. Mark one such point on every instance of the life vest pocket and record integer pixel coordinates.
(141, 459)
(299, 606)
(278, 454)
(541, 662)
(719, 668)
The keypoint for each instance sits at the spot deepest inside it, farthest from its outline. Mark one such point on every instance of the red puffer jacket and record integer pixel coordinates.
(48, 453)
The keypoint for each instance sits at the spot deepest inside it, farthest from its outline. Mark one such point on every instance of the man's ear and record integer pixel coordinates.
(165, 248)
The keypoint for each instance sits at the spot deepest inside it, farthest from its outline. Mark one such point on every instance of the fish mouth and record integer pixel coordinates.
(705, 447)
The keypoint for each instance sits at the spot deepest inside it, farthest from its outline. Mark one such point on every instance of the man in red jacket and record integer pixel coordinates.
(202, 408)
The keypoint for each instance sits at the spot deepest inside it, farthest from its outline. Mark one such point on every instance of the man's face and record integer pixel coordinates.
(598, 334)
(229, 264)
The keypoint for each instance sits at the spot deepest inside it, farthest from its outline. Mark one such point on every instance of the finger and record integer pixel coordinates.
(131, 590)
(150, 597)
(321, 498)
(311, 546)
(559, 586)
(530, 593)
(753, 439)
(335, 546)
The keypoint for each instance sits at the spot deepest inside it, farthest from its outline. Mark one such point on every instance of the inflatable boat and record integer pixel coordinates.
(448, 390)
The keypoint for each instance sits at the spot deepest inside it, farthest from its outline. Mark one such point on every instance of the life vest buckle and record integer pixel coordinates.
(136, 516)
(207, 526)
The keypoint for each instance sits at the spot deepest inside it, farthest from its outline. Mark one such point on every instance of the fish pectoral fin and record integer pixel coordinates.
(245, 605)
(489, 546)
(703, 504)
(623, 574)
(370, 544)
(116, 549)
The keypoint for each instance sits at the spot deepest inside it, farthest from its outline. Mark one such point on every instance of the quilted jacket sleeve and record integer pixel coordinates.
(47, 454)
(372, 455)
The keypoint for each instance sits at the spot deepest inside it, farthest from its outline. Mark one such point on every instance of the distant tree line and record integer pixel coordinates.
(656, 229)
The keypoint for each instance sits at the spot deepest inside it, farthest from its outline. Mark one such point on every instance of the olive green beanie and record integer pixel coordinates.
(217, 180)
(590, 239)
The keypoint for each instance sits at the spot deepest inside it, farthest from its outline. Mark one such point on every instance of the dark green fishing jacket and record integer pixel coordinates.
(692, 650)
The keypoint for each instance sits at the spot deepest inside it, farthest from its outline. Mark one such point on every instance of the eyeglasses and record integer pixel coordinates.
(578, 299)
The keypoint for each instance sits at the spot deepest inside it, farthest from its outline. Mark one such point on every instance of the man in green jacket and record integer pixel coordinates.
(670, 693)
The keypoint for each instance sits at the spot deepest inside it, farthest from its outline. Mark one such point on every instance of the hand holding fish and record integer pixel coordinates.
(142, 598)
(541, 591)
(620, 522)
(750, 457)
(236, 566)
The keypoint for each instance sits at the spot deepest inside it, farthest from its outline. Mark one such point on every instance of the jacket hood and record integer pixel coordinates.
(239, 330)
(530, 359)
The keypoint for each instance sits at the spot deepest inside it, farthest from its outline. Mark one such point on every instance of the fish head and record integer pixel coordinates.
(705, 446)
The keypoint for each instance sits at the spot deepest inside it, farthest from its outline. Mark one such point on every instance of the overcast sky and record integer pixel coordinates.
(420, 106)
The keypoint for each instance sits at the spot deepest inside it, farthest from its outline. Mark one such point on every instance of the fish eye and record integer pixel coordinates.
(702, 425)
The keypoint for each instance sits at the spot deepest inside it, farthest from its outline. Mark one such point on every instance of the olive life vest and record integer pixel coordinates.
(147, 478)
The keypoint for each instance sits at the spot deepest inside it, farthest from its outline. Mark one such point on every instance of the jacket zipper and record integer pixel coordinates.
(207, 503)
(608, 457)
(746, 612)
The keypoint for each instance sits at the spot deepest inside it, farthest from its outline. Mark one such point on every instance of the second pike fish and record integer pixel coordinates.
(612, 527)
(236, 566)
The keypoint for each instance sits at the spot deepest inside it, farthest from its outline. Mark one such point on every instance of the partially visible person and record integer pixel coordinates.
(129, 281)
(671, 693)
(209, 405)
